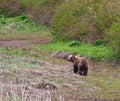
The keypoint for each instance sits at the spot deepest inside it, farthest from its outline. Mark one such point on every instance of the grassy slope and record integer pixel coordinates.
(33, 64)
(22, 64)
(21, 27)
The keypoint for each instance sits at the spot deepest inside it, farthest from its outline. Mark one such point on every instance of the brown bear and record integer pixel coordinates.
(80, 64)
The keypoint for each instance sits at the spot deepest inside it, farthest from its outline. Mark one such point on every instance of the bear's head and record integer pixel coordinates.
(71, 58)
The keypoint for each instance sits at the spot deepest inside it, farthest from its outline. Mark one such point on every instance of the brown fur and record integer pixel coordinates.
(80, 65)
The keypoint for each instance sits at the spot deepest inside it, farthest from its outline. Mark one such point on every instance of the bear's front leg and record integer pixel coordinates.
(75, 69)
(85, 71)
(80, 72)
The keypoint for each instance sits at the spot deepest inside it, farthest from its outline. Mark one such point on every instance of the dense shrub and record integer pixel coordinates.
(40, 11)
(84, 19)
(81, 20)
(98, 42)
(66, 21)
(114, 38)
(5, 12)
(75, 43)
(46, 5)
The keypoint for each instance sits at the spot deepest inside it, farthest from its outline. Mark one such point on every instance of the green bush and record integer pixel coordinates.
(5, 12)
(98, 42)
(114, 39)
(66, 21)
(74, 43)
(84, 19)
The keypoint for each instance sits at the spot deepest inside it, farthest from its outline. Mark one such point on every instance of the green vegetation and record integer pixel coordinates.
(90, 28)
(93, 21)
(89, 20)
(100, 52)
(45, 5)
(5, 12)
(98, 42)
(17, 69)
(21, 27)
(114, 38)
(13, 52)
(85, 19)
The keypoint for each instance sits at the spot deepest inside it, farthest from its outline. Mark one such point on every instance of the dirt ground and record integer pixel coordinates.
(21, 43)
(46, 79)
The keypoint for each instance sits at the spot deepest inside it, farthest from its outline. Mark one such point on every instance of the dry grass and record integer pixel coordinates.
(27, 78)
(10, 35)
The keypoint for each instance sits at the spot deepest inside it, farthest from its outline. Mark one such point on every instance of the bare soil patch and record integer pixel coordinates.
(21, 43)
